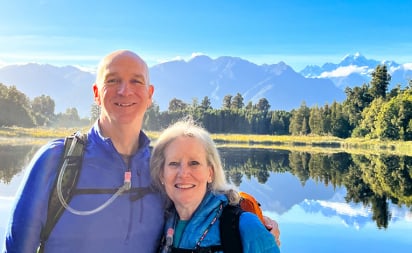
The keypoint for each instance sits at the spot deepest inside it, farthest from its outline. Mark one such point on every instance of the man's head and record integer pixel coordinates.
(122, 88)
(105, 61)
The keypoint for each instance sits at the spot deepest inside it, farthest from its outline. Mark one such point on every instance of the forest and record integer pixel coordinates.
(369, 110)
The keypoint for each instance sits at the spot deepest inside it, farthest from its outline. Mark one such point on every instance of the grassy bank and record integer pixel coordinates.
(21, 136)
(316, 143)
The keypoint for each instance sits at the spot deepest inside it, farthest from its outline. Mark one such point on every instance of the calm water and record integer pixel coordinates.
(322, 202)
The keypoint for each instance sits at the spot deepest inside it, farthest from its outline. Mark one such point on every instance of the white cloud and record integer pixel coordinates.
(407, 66)
(345, 71)
(408, 217)
(393, 69)
(344, 208)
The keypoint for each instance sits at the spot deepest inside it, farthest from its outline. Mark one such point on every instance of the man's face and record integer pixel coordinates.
(122, 90)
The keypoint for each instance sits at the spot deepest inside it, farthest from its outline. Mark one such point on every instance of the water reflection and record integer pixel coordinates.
(375, 181)
(310, 194)
(13, 159)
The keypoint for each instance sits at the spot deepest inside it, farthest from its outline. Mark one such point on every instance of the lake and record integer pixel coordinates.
(323, 202)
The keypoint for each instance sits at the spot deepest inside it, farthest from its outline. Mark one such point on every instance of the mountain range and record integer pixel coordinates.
(201, 76)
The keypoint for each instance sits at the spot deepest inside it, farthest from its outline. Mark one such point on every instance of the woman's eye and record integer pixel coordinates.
(173, 164)
(194, 163)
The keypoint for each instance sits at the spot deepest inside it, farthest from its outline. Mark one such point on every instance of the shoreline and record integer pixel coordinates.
(316, 144)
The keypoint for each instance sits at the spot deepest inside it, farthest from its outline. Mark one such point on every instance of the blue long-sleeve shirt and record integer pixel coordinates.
(125, 225)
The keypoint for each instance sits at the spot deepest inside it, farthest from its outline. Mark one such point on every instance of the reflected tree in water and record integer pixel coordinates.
(256, 163)
(373, 180)
(235, 177)
(299, 165)
(13, 159)
(380, 211)
(329, 168)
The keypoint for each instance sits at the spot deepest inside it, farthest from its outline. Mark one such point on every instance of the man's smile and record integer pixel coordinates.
(124, 104)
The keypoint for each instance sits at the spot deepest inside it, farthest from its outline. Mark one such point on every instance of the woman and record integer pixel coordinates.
(186, 166)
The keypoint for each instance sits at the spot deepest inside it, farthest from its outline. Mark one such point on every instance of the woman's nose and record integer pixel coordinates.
(183, 170)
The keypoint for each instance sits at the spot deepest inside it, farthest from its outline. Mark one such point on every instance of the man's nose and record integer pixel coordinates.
(124, 88)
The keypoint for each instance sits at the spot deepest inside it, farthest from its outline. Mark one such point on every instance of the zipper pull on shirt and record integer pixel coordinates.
(127, 180)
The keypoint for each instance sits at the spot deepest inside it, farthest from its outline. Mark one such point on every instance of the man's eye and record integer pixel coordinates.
(137, 82)
(112, 81)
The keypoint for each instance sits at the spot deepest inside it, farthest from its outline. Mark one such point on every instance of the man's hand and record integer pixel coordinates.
(273, 227)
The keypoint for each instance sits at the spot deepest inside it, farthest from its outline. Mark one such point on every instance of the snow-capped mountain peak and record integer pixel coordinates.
(356, 69)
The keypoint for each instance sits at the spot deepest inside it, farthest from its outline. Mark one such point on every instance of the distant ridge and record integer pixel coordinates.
(203, 76)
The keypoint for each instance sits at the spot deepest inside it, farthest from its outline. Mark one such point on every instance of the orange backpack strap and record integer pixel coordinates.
(249, 204)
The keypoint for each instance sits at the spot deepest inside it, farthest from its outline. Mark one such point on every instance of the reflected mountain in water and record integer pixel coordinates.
(352, 215)
(283, 191)
(376, 182)
(380, 185)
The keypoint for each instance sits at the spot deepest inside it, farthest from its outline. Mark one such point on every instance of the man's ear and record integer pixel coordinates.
(96, 94)
(150, 91)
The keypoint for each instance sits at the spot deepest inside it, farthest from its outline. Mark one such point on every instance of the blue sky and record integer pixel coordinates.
(300, 33)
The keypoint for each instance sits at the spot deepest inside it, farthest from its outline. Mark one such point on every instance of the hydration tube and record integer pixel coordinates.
(126, 186)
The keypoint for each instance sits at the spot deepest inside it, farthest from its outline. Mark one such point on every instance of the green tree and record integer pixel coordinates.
(177, 105)
(227, 102)
(205, 104)
(70, 118)
(263, 105)
(340, 123)
(367, 126)
(394, 92)
(43, 109)
(152, 118)
(15, 108)
(315, 120)
(394, 117)
(94, 112)
(299, 123)
(237, 102)
(249, 106)
(380, 81)
(357, 99)
(279, 122)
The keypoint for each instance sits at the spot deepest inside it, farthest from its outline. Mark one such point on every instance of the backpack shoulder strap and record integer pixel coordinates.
(249, 204)
(73, 155)
(229, 233)
(229, 229)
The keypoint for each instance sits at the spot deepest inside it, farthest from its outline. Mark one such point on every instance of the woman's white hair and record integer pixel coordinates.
(187, 127)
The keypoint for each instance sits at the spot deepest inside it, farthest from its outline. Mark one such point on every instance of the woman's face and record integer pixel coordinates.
(186, 172)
